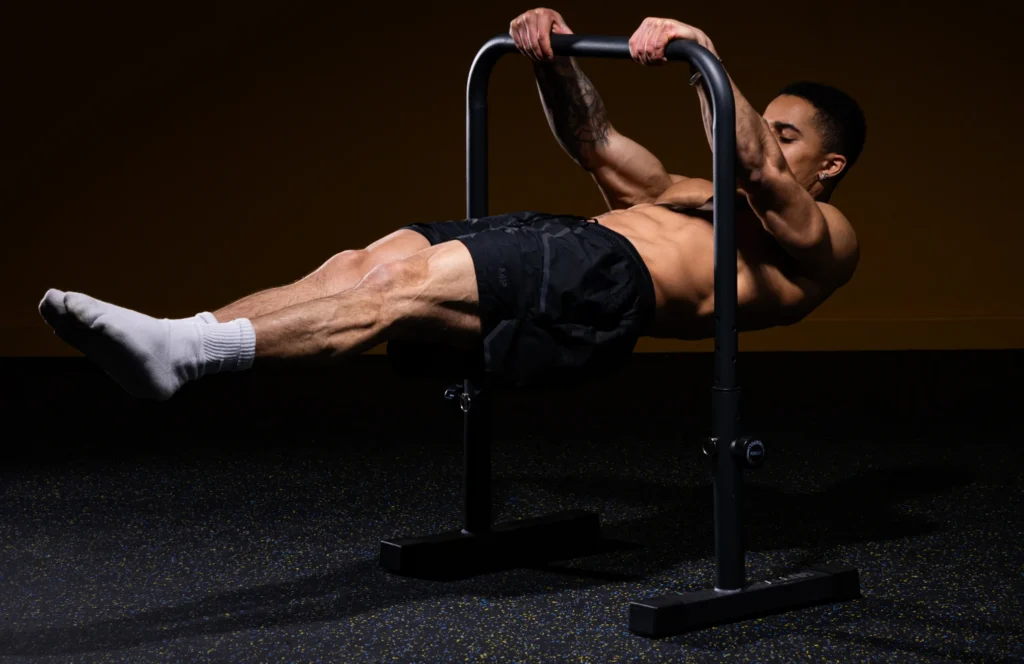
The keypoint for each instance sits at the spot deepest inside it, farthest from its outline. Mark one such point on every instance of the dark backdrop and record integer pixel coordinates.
(173, 157)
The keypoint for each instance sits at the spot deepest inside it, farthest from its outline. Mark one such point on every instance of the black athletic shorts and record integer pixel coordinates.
(560, 296)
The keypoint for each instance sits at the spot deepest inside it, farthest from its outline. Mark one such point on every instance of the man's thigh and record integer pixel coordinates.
(432, 296)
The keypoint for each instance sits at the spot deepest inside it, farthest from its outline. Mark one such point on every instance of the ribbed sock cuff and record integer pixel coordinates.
(228, 346)
(248, 353)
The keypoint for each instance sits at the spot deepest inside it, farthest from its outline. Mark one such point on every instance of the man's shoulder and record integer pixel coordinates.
(830, 209)
(837, 221)
(842, 237)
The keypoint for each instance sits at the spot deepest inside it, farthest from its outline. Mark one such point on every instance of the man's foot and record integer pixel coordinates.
(149, 357)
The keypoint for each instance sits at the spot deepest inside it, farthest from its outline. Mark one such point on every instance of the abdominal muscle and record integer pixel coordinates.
(679, 253)
(678, 247)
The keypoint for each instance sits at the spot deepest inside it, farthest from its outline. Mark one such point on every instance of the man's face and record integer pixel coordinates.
(792, 121)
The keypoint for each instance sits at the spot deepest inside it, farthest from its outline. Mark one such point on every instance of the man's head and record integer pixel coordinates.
(821, 131)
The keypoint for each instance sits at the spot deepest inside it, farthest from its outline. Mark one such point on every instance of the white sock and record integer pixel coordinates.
(206, 318)
(149, 357)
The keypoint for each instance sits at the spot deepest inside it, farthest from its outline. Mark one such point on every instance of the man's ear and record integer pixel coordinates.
(833, 165)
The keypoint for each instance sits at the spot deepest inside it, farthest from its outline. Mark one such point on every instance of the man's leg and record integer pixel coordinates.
(431, 295)
(341, 272)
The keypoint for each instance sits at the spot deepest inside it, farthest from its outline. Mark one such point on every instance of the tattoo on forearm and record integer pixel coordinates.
(574, 109)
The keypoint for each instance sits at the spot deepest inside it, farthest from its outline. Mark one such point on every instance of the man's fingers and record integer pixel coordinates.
(668, 31)
(656, 44)
(647, 45)
(544, 39)
(524, 39)
(527, 38)
(517, 35)
(656, 49)
(636, 42)
(645, 48)
(533, 33)
(521, 36)
(642, 42)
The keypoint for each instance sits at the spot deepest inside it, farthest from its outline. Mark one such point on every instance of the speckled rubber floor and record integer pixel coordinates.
(271, 556)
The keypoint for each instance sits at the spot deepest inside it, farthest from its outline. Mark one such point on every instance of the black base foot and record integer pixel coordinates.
(457, 555)
(674, 614)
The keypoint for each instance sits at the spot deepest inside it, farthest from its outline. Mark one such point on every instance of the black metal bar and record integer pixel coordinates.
(725, 391)
(600, 46)
(476, 436)
(730, 561)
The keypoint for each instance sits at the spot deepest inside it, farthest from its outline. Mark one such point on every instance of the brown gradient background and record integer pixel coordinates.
(173, 159)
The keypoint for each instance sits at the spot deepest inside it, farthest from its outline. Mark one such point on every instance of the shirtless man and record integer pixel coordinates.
(528, 294)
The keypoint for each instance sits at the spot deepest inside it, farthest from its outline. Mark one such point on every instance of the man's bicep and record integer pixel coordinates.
(628, 173)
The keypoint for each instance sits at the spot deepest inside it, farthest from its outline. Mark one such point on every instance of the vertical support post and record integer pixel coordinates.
(478, 505)
(730, 561)
(725, 392)
(476, 436)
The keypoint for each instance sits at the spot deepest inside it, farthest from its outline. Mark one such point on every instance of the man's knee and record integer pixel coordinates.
(350, 259)
(430, 297)
(340, 271)
(395, 277)
(394, 289)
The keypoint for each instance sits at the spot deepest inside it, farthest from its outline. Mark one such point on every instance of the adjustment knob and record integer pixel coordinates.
(749, 451)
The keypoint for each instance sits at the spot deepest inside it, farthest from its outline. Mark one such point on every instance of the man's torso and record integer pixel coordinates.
(674, 236)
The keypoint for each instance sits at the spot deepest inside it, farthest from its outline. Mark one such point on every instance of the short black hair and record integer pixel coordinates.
(840, 117)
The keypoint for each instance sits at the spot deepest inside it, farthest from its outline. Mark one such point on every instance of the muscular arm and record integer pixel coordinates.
(707, 115)
(625, 171)
(756, 146)
(816, 234)
(575, 111)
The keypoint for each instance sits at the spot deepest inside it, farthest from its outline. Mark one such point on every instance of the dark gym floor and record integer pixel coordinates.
(241, 521)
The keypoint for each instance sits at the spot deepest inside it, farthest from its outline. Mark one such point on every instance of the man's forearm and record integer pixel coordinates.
(752, 150)
(574, 109)
(707, 115)
(755, 145)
